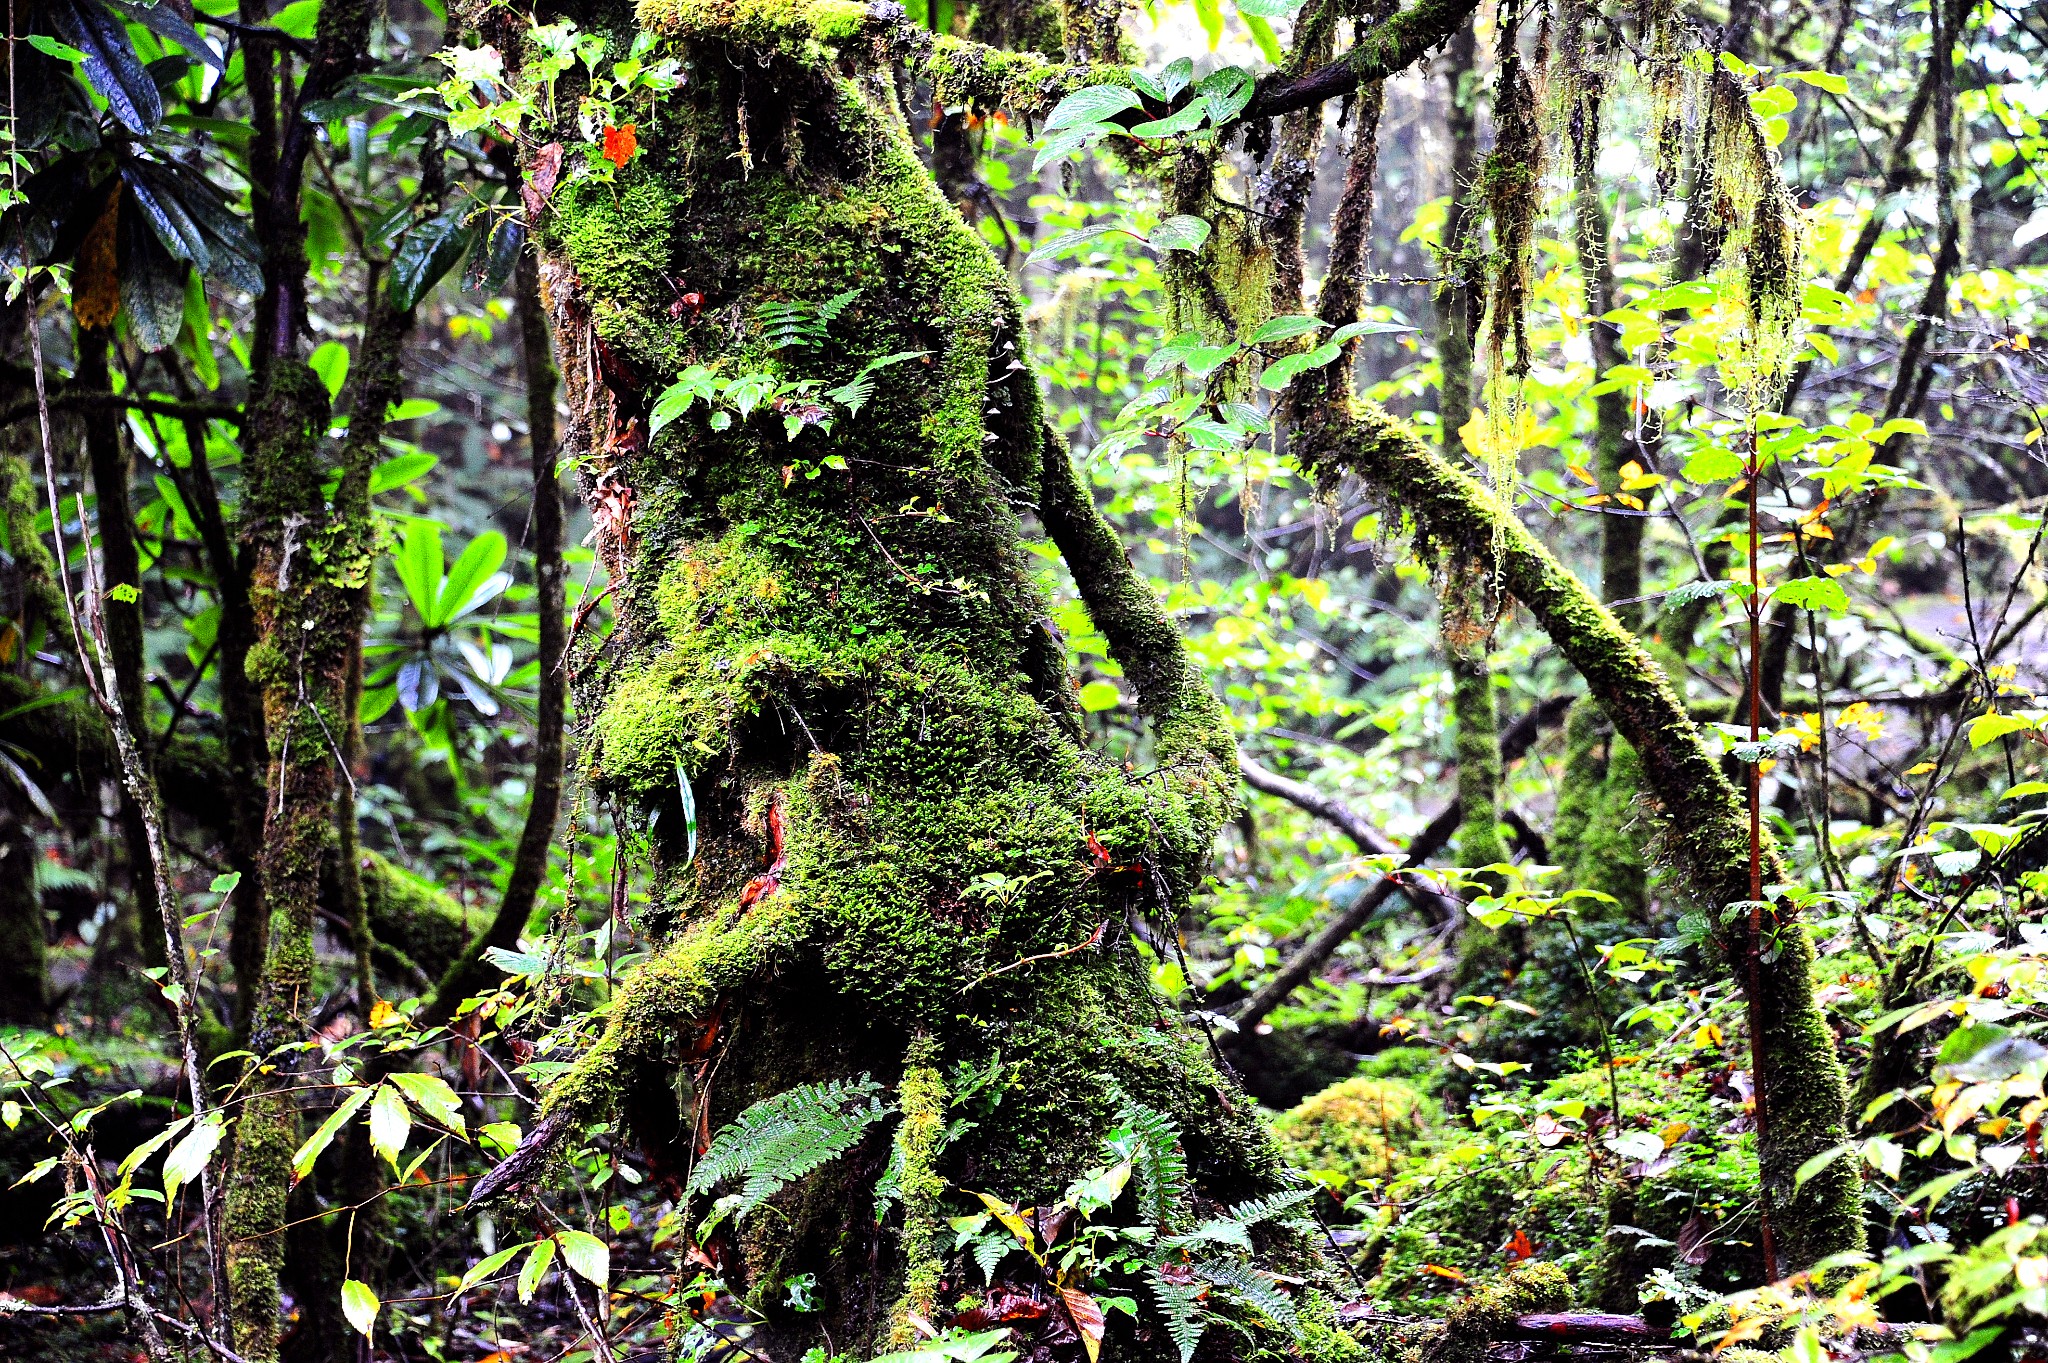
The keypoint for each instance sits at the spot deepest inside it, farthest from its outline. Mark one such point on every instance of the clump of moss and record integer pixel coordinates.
(1358, 1132)
(796, 29)
(1489, 1312)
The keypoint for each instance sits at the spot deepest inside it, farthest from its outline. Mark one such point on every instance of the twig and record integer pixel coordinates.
(1093, 939)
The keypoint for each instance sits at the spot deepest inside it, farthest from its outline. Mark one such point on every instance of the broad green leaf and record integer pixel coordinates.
(148, 1147)
(473, 579)
(1819, 1162)
(431, 1095)
(1182, 232)
(1285, 328)
(1183, 120)
(188, 1158)
(535, 1269)
(1820, 80)
(360, 1305)
(302, 1161)
(329, 361)
(485, 1267)
(1100, 695)
(587, 1255)
(1066, 241)
(1812, 593)
(420, 564)
(390, 1123)
(1367, 327)
(1093, 104)
(1281, 372)
(1989, 728)
(399, 470)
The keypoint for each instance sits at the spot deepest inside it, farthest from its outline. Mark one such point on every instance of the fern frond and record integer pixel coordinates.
(1219, 1231)
(1180, 1304)
(780, 1139)
(1254, 1289)
(1151, 1142)
(799, 325)
(1272, 1207)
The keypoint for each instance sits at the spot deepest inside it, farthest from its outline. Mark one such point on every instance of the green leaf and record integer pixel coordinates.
(1989, 728)
(474, 579)
(329, 361)
(431, 1095)
(397, 471)
(188, 1158)
(1092, 104)
(302, 1160)
(1066, 241)
(429, 250)
(1100, 695)
(50, 47)
(1365, 328)
(535, 1269)
(1066, 142)
(360, 1305)
(1182, 232)
(1819, 1162)
(1268, 43)
(1285, 328)
(1183, 120)
(1714, 466)
(420, 564)
(1281, 372)
(1812, 593)
(689, 812)
(485, 1267)
(390, 1123)
(588, 1256)
(225, 882)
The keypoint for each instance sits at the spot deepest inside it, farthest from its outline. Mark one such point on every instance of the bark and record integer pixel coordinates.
(107, 458)
(309, 563)
(863, 697)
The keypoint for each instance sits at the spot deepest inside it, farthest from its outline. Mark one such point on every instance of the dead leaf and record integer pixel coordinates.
(1519, 1248)
(96, 273)
(540, 180)
(1087, 1318)
(1693, 1245)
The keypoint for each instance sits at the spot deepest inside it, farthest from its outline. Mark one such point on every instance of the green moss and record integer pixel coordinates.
(797, 28)
(1357, 1132)
(920, 1138)
(1489, 1313)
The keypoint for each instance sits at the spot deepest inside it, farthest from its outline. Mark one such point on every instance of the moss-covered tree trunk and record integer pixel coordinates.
(835, 640)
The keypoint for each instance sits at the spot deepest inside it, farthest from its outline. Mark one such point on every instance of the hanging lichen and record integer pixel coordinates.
(1762, 257)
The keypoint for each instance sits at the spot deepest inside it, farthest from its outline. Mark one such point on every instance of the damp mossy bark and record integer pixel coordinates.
(836, 641)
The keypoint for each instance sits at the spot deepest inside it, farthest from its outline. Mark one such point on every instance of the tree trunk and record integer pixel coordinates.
(835, 639)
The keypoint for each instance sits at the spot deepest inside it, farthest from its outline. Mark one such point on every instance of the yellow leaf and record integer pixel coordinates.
(1920, 770)
(381, 1012)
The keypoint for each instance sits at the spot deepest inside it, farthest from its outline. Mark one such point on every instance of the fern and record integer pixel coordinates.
(855, 392)
(780, 1139)
(1272, 1207)
(1254, 1289)
(800, 325)
(1220, 1231)
(1151, 1142)
(1181, 1306)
